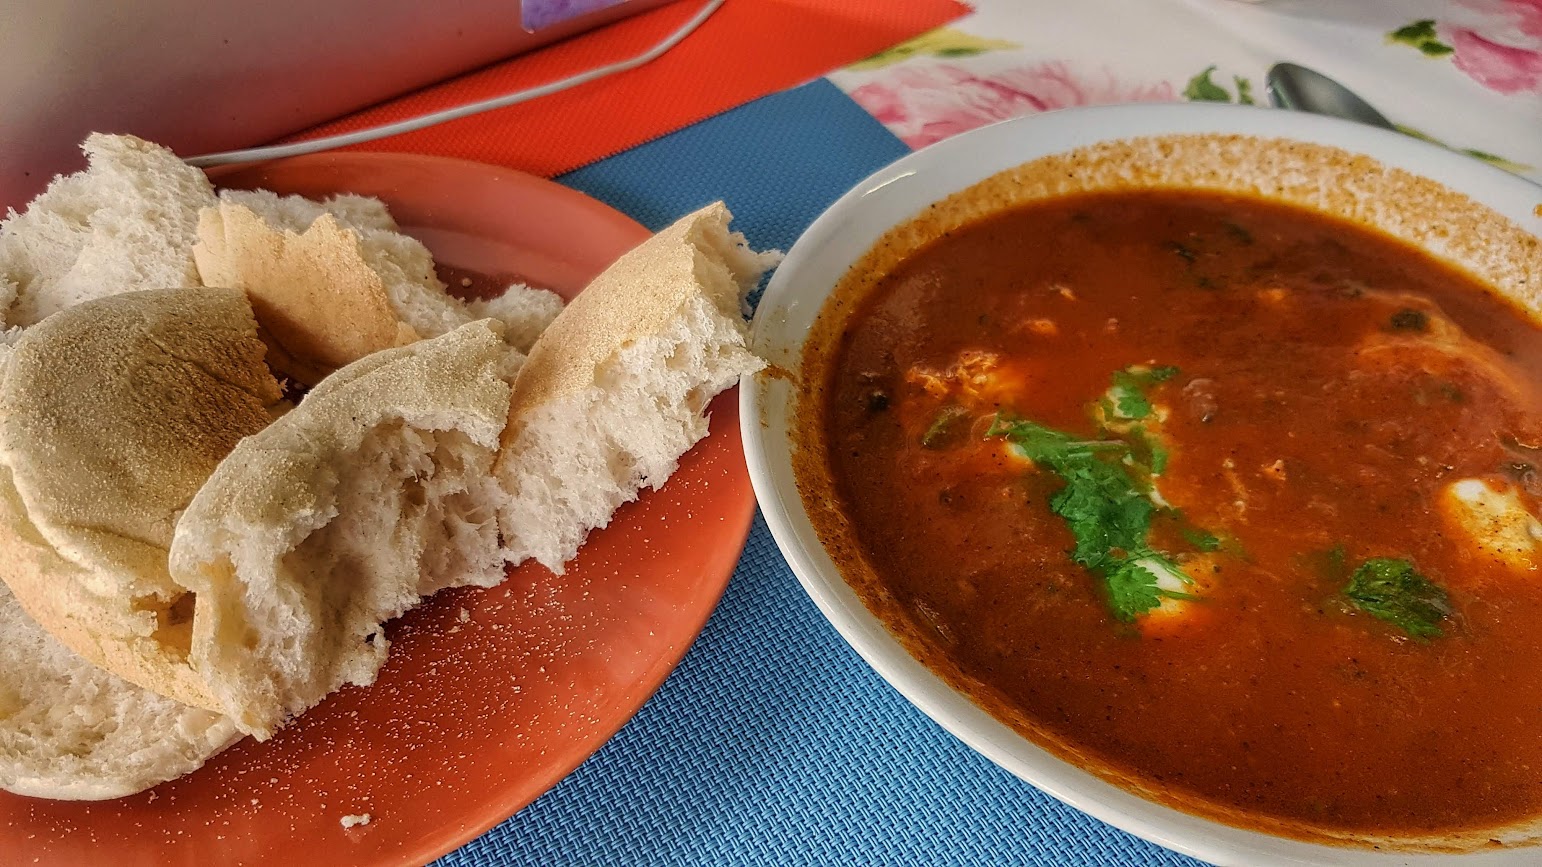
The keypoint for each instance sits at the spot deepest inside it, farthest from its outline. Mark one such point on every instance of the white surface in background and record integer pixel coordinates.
(1094, 52)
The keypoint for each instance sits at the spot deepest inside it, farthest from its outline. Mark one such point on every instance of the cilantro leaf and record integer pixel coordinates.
(1392, 590)
(1126, 398)
(1148, 451)
(1105, 510)
(1132, 588)
(939, 434)
(1108, 513)
(1202, 539)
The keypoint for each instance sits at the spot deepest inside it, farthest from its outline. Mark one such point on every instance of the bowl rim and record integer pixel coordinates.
(1025, 139)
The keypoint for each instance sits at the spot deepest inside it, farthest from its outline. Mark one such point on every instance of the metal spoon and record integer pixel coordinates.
(1301, 89)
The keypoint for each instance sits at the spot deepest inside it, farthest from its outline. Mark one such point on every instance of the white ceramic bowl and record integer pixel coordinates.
(891, 196)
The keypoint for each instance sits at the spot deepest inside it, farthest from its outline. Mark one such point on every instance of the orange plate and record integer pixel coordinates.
(490, 696)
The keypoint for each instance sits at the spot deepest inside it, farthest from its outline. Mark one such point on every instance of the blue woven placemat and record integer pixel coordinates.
(773, 743)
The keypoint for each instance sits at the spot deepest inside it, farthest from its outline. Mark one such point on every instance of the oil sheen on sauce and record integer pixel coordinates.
(1333, 397)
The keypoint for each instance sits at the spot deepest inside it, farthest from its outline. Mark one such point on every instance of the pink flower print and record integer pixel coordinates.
(1527, 15)
(925, 104)
(1524, 15)
(1503, 51)
(1501, 68)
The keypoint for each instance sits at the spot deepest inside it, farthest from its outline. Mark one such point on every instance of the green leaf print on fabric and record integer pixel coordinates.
(1492, 159)
(1202, 88)
(1421, 35)
(942, 42)
(1244, 90)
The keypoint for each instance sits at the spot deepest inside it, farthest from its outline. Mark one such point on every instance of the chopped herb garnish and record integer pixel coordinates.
(1392, 590)
(1126, 398)
(1238, 232)
(1183, 252)
(1204, 540)
(1409, 319)
(938, 434)
(1148, 451)
(1134, 588)
(1108, 513)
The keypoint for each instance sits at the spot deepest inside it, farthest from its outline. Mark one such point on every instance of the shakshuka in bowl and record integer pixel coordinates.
(1186, 461)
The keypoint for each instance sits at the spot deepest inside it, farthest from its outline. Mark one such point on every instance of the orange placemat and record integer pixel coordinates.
(748, 49)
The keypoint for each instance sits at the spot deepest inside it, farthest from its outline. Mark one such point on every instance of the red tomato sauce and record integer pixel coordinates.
(1332, 385)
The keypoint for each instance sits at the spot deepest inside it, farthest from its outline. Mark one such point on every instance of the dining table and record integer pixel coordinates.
(772, 741)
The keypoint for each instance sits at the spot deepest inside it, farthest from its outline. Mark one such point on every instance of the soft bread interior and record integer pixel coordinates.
(524, 312)
(378, 489)
(112, 415)
(72, 731)
(616, 389)
(126, 223)
(374, 492)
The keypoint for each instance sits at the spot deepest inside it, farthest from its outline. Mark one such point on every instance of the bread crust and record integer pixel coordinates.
(617, 388)
(272, 637)
(635, 297)
(319, 302)
(112, 415)
(71, 731)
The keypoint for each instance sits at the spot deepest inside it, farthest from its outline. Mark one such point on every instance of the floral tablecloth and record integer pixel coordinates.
(1465, 73)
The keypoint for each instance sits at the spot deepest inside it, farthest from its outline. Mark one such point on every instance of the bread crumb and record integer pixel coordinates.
(350, 821)
(463, 616)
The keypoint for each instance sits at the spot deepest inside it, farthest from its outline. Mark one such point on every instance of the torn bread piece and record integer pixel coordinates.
(363, 214)
(113, 414)
(320, 303)
(126, 223)
(72, 731)
(406, 267)
(332, 282)
(374, 492)
(616, 389)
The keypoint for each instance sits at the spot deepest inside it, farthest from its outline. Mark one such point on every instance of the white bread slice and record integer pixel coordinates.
(405, 266)
(524, 311)
(320, 303)
(113, 413)
(72, 731)
(332, 282)
(615, 391)
(374, 492)
(126, 223)
(296, 213)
